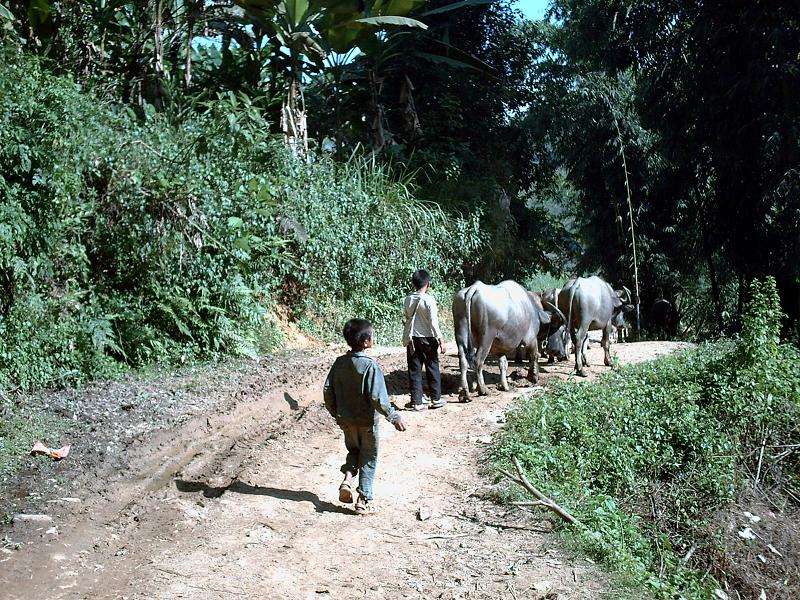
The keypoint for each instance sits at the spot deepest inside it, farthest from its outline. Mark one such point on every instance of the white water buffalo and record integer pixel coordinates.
(551, 335)
(591, 303)
(495, 319)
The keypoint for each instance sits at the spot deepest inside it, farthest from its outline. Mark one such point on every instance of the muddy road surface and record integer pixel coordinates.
(223, 483)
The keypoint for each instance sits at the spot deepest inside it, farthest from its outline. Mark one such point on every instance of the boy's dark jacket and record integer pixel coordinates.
(355, 391)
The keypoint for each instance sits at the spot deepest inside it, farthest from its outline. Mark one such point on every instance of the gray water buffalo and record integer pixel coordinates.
(551, 335)
(551, 295)
(495, 319)
(590, 303)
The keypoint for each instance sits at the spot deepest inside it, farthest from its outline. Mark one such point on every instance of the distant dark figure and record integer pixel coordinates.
(663, 319)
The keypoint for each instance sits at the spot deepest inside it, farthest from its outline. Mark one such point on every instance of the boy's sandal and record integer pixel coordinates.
(345, 494)
(364, 506)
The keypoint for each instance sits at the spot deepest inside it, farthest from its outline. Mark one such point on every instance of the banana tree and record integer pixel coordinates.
(389, 60)
(300, 30)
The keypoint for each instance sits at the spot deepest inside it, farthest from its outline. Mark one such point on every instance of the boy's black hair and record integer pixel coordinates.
(357, 332)
(420, 278)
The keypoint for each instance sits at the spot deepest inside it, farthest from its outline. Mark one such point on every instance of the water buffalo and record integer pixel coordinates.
(551, 295)
(551, 335)
(497, 319)
(591, 303)
(663, 319)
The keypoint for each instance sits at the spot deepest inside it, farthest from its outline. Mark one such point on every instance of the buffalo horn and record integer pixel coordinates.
(554, 308)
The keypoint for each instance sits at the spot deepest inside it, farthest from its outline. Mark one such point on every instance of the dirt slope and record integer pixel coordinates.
(231, 491)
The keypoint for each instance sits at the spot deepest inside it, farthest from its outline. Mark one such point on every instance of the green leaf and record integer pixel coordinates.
(38, 12)
(452, 62)
(342, 38)
(5, 13)
(389, 20)
(242, 243)
(342, 7)
(399, 7)
(296, 11)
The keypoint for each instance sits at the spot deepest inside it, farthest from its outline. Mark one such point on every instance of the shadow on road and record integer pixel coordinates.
(240, 487)
(293, 405)
(397, 381)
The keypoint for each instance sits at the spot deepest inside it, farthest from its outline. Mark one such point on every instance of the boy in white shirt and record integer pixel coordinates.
(423, 341)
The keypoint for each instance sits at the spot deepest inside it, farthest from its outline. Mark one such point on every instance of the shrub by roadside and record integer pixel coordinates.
(648, 456)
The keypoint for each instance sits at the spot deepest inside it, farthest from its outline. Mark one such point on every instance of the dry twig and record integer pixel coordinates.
(542, 500)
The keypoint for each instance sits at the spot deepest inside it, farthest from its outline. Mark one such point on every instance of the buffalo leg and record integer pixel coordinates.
(605, 343)
(463, 365)
(480, 359)
(518, 355)
(579, 340)
(503, 362)
(545, 351)
(533, 357)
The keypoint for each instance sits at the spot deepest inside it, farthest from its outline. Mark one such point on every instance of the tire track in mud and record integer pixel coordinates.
(114, 520)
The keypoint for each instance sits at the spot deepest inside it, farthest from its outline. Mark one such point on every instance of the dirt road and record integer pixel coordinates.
(231, 492)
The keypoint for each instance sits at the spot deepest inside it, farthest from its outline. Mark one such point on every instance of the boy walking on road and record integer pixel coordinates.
(355, 395)
(423, 341)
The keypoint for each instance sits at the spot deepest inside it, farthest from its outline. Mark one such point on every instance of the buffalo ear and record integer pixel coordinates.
(544, 317)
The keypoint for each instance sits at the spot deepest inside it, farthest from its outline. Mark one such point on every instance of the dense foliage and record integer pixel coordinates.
(667, 131)
(132, 240)
(687, 109)
(645, 457)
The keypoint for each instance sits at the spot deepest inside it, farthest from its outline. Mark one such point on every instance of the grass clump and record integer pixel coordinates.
(646, 456)
(19, 430)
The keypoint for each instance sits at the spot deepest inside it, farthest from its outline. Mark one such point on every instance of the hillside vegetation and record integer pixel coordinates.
(129, 241)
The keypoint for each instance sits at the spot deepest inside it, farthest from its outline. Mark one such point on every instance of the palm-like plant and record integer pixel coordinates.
(301, 30)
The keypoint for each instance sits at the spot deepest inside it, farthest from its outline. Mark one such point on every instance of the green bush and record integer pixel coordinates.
(667, 438)
(536, 282)
(362, 238)
(130, 238)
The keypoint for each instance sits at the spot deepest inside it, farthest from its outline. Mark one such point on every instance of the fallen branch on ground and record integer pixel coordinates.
(542, 500)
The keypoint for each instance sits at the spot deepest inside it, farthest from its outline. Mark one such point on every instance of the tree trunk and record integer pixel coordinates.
(158, 38)
(413, 129)
(378, 131)
(293, 114)
(193, 11)
(712, 275)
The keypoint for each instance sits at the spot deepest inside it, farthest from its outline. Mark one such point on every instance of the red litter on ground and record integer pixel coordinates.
(54, 453)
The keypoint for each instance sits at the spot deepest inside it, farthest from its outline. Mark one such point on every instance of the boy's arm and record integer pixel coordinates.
(328, 394)
(376, 388)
